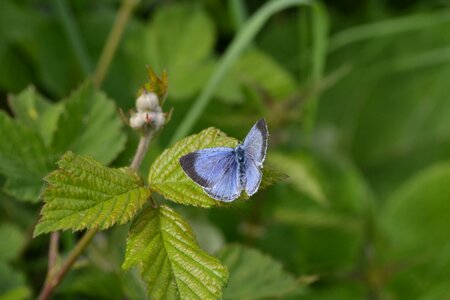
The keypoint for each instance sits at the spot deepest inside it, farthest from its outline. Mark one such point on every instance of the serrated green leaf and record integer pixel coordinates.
(163, 245)
(24, 159)
(271, 176)
(89, 125)
(36, 112)
(254, 275)
(84, 194)
(167, 177)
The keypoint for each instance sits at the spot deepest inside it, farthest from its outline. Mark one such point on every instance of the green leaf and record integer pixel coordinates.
(84, 194)
(416, 215)
(24, 159)
(12, 241)
(89, 125)
(46, 41)
(391, 109)
(311, 229)
(168, 42)
(254, 275)
(163, 245)
(261, 72)
(167, 177)
(415, 223)
(36, 112)
(300, 175)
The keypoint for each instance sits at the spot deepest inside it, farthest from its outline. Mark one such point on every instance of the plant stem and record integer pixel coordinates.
(54, 280)
(53, 252)
(113, 40)
(142, 149)
(54, 277)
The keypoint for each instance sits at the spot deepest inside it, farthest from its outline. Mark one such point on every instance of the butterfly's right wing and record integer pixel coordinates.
(253, 177)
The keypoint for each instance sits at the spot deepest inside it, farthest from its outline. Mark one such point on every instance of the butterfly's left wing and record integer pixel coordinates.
(228, 187)
(255, 143)
(207, 166)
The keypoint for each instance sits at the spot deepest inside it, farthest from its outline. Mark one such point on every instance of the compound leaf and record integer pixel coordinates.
(163, 245)
(84, 194)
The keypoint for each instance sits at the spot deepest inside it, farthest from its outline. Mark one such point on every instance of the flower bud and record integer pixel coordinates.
(137, 121)
(159, 119)
(147, 102)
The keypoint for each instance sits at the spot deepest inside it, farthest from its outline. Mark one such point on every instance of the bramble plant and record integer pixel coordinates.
(95, 205)
(84, 194)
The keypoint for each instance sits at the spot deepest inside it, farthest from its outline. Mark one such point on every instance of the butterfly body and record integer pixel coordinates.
(225, 172)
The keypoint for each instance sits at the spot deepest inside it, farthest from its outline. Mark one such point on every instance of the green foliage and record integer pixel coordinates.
(301, 177)
(254, 275)
(166, 43)
(155, 84)
(36, 112)
(260, 71)
(42, 131)
(415, 221)
(84, 194)
(89, 125)
(12, 284)
(12, 243)
(163, 245)
(364, 207)
(167, 177)
(24, 159)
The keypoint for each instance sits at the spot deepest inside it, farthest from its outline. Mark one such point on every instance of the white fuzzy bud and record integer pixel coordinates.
(148, 102)
(159, 119)
(137, 121)
(156, 119)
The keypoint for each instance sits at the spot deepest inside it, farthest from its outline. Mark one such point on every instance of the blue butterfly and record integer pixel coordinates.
(224, 172)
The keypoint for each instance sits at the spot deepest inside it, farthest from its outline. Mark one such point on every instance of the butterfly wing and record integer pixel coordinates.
(228, 187)
(207, 166)
(255, 143)
(253, 177)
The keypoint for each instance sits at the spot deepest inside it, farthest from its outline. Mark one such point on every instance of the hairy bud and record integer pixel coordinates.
(148, 101)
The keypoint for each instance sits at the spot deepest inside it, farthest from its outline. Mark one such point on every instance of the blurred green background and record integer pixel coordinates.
(357, 98)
